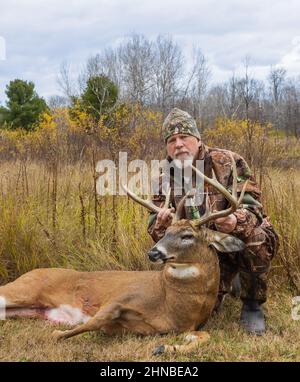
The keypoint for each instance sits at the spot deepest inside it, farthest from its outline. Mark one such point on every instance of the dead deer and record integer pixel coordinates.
(177, 299)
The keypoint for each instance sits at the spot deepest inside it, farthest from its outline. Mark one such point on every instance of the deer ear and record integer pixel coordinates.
(223, 242)
(228, 244)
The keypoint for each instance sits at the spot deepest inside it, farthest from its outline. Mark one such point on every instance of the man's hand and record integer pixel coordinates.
(164, 218)
(226, 224)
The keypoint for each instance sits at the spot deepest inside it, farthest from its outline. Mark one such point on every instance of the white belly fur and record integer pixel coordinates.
(66, 314)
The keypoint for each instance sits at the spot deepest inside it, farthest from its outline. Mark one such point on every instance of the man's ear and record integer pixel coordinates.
(223, 242)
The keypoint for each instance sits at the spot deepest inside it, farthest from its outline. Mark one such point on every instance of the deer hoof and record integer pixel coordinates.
(57, 334)
(159, 350)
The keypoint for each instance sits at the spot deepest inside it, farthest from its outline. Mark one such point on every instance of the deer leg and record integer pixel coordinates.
(103, 317)
(25, 313)
(18, 295)
(192, 339)
(19, 300)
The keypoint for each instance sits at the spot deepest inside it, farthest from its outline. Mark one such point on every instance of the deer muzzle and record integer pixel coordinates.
(159, 255)
(155, 255)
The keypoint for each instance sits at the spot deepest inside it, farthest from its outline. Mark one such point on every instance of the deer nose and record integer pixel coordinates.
(154, 254)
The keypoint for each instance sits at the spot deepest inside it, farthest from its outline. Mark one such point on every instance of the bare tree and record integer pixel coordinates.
(66, 82)
(221, 100)
(214, 104)
(112, 66)
(137, 57)
(246, 88)
(250, 90)
(92, 68)
(276, 80)
(234, 102)
(57, 102)
(199, 80)
(167, 72)
(291, 107)
(194, 85)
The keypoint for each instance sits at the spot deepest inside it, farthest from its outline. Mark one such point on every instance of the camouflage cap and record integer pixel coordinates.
(179, 122)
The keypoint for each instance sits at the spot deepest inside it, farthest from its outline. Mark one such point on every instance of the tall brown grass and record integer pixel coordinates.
(51, 222)
(282, 202)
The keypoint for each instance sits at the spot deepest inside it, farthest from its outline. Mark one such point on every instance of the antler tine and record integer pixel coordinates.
(180, 206)
(207, 205)
(220, 214)
(242, 193)
(216, 185)
(145, 203)
(234, 176)
(168, 197)
(213, 174)
(234, 202)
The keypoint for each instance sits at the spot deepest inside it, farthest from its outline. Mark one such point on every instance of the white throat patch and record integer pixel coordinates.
(183, 271)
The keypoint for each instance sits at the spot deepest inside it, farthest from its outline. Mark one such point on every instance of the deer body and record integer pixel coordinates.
(176, 299)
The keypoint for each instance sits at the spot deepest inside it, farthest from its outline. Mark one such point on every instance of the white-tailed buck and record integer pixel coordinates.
(178, 299)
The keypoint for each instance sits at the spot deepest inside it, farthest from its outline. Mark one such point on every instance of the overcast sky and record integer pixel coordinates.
(40, 34)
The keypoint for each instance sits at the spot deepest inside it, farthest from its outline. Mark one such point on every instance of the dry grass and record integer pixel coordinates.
(282, 201)
(46, 225)
(30, 340)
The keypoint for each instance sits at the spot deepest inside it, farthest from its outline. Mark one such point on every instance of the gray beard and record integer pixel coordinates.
(183, 163)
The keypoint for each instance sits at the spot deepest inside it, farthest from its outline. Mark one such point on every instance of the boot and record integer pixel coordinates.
(235, 290)
(252, 318)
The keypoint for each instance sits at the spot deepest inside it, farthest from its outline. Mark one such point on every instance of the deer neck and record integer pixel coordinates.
(182, 287)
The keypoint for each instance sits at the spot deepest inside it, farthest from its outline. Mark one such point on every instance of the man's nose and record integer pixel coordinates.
(178, 143)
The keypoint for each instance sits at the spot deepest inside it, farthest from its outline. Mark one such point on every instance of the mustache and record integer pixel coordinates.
(182, 152)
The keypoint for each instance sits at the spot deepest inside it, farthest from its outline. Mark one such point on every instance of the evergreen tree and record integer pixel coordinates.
(100, 96)
(23, 106)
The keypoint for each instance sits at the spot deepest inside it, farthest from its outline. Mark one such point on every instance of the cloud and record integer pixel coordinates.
(40, 35)
(291, 60)
(2, 48)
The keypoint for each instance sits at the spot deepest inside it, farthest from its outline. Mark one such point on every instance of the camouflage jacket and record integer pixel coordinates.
(249, 215)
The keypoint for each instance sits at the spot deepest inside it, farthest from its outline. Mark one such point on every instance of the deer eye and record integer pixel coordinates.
(187, 237)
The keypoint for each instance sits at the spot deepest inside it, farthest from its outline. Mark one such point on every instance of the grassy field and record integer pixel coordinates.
(29, 340)
(52, 217)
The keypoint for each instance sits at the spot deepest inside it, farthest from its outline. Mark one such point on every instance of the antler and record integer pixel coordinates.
(180, 207)
(232, 198)
(152, 207)
(148, 203)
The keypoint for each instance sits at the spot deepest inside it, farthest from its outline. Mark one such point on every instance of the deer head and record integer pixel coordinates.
(186, 242)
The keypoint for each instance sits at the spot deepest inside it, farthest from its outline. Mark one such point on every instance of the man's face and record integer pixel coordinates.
(183, 147)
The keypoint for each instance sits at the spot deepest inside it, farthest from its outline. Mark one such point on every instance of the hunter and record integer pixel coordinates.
(248, 223)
